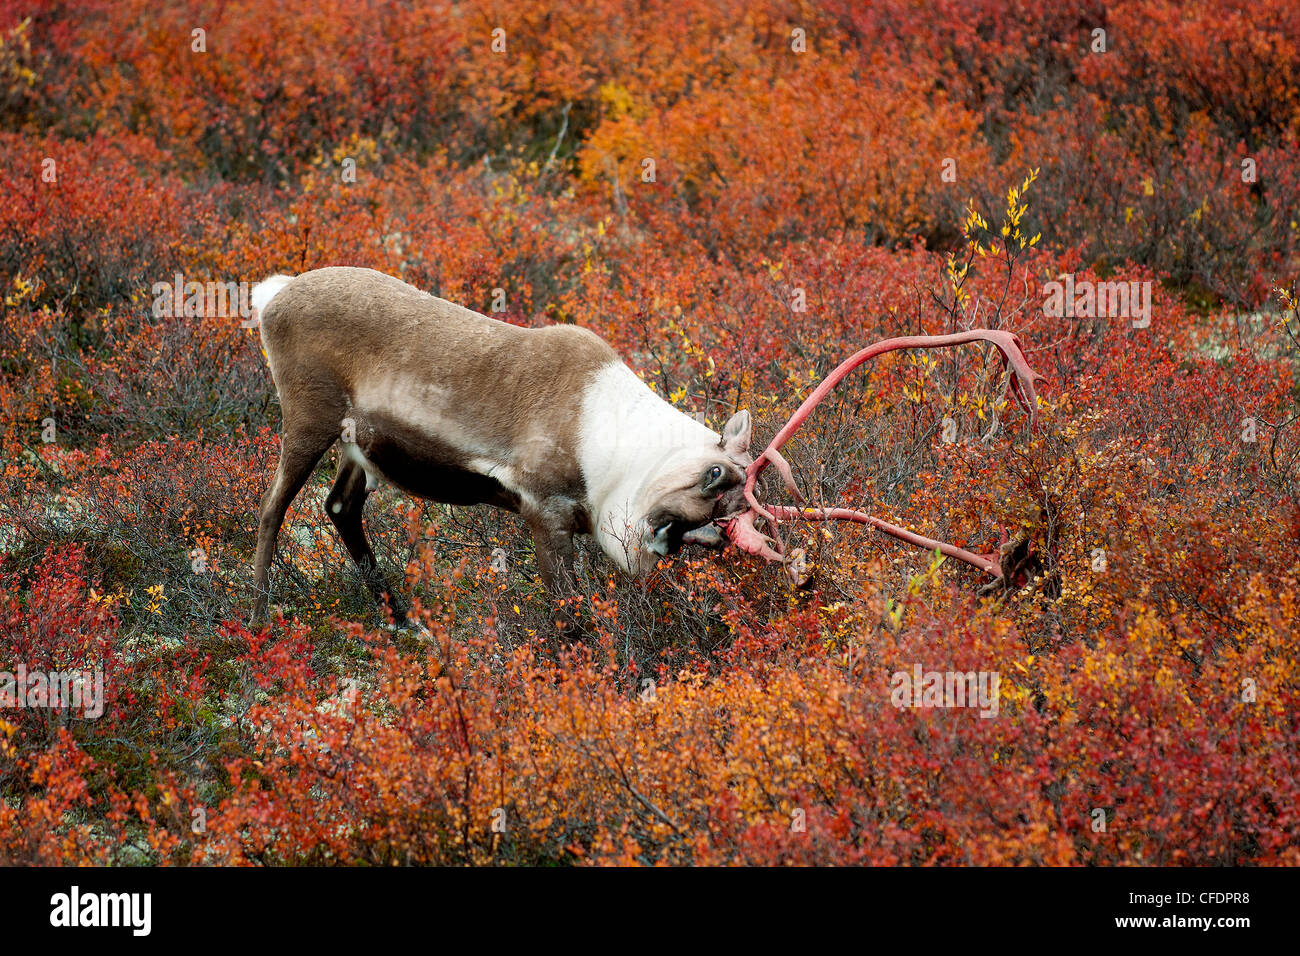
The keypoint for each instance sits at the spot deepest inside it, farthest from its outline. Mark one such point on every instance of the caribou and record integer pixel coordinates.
(455, 407)
(549, 423)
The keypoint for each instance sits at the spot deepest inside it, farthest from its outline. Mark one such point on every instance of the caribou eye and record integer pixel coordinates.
(714, 475)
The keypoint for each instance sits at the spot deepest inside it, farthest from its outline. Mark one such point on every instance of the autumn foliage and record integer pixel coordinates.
(736, 194)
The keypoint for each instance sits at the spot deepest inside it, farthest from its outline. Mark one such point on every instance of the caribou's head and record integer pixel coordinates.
(694, 486)
(656, 478)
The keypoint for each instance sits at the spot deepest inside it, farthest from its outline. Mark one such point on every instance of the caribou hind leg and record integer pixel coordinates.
(301, 447)
(344, 505)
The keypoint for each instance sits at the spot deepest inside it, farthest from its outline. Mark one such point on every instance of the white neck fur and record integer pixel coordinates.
(628, 435)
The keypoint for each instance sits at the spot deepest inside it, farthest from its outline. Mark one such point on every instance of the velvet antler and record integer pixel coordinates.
(741, 528)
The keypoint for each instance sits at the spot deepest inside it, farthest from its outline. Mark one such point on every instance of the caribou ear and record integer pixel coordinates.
(735, 434)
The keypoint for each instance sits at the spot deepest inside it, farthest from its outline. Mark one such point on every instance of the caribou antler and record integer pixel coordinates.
(741, 528)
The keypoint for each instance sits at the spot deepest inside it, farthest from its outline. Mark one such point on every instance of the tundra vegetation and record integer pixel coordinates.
(735, 194)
